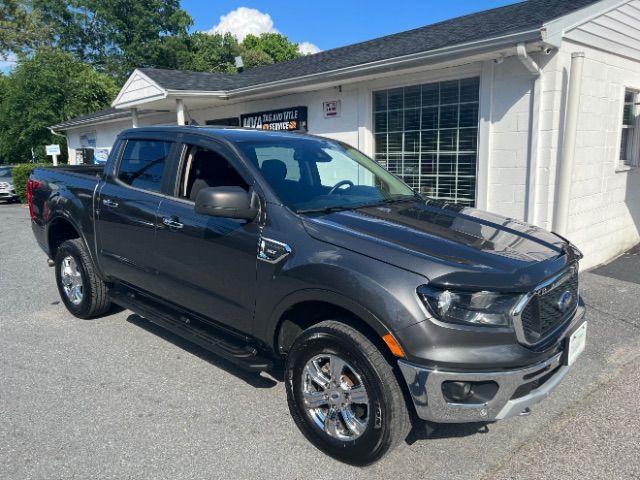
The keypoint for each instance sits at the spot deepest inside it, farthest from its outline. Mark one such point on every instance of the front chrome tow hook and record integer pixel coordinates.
(526, 412)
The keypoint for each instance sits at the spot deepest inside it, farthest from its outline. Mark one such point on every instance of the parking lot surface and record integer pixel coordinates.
(120, 398)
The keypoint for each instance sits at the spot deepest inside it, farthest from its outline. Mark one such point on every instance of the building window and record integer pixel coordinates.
(428, 136)
(630, 145)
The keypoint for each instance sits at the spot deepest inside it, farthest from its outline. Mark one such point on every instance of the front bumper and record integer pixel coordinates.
(6, 194)
(518, 389)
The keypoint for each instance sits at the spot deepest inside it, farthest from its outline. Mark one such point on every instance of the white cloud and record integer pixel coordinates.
(245, 21)
(308, 48)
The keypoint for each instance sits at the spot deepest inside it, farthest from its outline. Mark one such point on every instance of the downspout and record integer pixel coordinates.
(181, 112)
(563, 183)
(534, 130)
(135, 121)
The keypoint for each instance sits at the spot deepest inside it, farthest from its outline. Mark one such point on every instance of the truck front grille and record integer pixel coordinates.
(4, 185)
(546, 310)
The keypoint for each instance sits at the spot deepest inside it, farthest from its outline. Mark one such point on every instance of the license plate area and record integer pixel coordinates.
(576, 344)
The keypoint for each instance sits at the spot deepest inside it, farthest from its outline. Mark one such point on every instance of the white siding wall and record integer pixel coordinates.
(344, 128)
(605, 202)
(509, 139)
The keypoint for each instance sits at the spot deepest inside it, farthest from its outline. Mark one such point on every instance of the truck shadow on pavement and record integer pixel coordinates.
(427, 431)
(254, 379)
(421, 431)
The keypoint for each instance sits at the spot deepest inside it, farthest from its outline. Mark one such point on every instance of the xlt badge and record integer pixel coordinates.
(272, 251)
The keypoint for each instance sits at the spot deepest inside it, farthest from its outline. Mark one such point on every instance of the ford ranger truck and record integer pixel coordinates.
(275, 249)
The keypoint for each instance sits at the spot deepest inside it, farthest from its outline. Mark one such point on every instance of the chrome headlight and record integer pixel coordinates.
(489, 309)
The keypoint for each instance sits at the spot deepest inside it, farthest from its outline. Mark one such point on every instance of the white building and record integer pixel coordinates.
(529, 110)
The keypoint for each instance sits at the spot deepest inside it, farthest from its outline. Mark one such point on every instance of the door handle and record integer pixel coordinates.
(171, 223)
(109, 203)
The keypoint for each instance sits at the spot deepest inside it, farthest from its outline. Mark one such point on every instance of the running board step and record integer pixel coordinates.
(193, 330)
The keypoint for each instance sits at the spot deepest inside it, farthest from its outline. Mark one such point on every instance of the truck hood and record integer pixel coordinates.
(452, 246)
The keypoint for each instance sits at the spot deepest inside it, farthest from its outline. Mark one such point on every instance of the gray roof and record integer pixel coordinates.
(107, 112)
(527, 16)
(498, 22)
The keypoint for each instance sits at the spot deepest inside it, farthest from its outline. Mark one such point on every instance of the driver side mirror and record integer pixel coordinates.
(227, 202)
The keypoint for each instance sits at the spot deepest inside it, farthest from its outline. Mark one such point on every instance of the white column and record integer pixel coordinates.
(134, 118)
(563, 185)
(180, 112)
(484, 140)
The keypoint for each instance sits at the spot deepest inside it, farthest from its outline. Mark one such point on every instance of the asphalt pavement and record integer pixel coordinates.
(120, 398)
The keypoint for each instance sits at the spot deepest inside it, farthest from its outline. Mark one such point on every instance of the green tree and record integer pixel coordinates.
(46, 89)
(19, 26)
(255, 58)
(210, 53)
(116, 36)
(276, 45)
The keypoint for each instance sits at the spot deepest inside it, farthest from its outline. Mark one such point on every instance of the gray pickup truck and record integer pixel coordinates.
(276, 249)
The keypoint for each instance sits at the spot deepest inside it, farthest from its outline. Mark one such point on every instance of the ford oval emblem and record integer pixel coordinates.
(565, 302)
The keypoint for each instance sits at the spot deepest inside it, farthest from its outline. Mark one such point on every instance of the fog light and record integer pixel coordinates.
(469, 393)
(457, 392)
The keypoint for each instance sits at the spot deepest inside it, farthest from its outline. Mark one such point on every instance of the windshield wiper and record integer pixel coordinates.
(328, 209)
(342, 208)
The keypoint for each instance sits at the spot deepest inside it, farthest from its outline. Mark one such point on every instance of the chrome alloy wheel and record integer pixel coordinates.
(335, 397)
(71, 280)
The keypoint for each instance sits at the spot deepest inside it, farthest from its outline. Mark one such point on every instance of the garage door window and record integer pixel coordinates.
(428, 136)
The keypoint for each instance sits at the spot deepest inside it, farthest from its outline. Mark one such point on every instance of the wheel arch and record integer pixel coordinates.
(305, 308)
(60, 229)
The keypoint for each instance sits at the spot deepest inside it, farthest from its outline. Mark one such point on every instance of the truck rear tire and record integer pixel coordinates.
(83, 292)
(343, 394)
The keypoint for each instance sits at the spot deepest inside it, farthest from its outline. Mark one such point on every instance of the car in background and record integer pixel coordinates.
(7, 189)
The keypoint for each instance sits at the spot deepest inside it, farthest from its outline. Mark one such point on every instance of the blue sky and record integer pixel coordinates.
(331, 23)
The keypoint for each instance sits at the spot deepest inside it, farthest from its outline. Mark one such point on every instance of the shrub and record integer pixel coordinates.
(21, 174)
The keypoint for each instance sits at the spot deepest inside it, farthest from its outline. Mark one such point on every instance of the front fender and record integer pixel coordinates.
(382, 295)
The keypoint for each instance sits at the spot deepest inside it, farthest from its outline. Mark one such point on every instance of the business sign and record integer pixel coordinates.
(53, 149)
(332, 108)
(88, 140)
(100, 155)
(288, 119)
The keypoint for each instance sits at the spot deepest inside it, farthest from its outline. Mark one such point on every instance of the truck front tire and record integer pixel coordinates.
(343, 394)
(83, 292)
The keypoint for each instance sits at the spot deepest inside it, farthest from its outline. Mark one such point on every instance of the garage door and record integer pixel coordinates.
(428, 136)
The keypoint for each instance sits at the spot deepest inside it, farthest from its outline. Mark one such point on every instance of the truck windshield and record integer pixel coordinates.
(5, 173)
(310, 175)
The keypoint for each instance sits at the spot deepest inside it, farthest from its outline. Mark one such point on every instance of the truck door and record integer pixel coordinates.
(127, 205)
(206, 264)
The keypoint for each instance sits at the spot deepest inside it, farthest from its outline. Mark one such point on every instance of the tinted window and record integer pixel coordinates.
(5, 173)
(313, 174)
(143, 163)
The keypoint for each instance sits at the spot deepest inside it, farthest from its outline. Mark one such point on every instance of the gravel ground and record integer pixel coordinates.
(119, 398)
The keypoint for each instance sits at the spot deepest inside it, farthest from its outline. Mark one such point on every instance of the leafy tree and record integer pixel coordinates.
(46, 89)
(211, 53)
(255, 58)
(19, 27)
(115, 36)
(276, 45)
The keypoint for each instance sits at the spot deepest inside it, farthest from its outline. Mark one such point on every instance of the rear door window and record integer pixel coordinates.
(143, 163)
